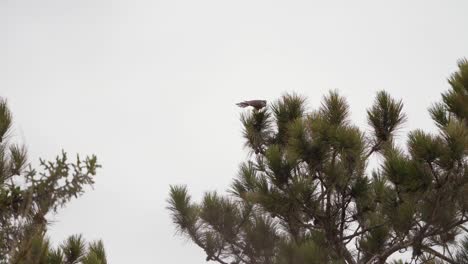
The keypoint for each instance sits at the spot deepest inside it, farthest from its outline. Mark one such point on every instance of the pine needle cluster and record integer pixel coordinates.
(73, 250)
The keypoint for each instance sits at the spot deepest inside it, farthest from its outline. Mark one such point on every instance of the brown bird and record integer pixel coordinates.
(257, 104)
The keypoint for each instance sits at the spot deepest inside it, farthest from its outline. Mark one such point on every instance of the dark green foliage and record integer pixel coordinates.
(289, 108)
(256, 130)
(307, 195)
(28, 196)
(455, 99)
(5, 119)
(74, 250)
(96, 253)
(335, 109)
(385, 116)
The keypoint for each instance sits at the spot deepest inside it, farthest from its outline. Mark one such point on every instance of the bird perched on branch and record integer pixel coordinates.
(257, 104)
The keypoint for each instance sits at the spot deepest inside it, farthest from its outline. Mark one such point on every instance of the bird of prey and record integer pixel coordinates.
(257, 104)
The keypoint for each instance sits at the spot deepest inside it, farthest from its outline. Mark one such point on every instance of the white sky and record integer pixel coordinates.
(150, 87)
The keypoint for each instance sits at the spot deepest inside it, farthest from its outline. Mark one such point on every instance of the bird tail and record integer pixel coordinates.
(242, 104)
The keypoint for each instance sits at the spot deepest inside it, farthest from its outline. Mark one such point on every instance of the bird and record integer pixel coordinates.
(257, 104)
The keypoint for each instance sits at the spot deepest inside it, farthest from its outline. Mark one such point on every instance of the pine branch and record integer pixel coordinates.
(453, 225)
(380, 258)
(463, 228)
(375, 147)
(437, 254)
(363, 231)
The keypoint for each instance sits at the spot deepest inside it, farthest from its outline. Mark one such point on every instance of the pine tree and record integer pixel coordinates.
(306, 194)
(29, 196)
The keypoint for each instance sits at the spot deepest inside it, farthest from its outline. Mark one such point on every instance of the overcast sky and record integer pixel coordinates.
(150, 87)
